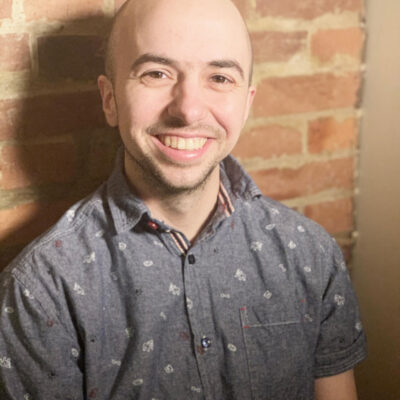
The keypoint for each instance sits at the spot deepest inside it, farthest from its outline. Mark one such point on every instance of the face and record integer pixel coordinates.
(180, 94)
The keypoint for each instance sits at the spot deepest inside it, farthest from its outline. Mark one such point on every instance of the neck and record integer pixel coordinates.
(188, 211)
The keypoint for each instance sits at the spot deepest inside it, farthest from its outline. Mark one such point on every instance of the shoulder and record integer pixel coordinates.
(62, 244)
(290, 237)
(271, 216)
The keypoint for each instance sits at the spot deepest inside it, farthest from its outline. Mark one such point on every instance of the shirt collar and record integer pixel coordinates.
(127, 209)
(237, 181)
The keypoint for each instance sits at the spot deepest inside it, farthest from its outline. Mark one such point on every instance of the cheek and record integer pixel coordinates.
(141, 108)
(231, 116)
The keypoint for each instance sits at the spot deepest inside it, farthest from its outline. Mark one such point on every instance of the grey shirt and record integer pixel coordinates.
(111, 304)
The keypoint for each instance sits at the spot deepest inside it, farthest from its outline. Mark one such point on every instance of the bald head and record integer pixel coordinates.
(136, 14)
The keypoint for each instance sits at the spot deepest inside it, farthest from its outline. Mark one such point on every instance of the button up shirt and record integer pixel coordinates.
(113, 304)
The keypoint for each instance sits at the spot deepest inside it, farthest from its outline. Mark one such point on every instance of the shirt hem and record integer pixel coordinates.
(343, 366)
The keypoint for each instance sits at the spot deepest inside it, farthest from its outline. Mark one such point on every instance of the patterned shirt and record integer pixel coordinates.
(112, 304)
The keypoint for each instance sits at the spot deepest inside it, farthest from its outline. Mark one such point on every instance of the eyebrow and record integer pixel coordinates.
(154, 58)
(227, 64)
(148, 57)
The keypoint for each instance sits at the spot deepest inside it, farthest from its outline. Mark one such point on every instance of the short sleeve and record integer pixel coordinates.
(341, 342)
(38, 359)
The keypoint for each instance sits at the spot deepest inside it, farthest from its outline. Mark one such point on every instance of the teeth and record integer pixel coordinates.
(180, 143)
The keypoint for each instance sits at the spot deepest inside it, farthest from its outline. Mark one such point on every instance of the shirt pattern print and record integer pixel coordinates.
(112, 304)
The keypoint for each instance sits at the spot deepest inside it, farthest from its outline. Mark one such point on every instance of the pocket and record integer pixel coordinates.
(280, 360)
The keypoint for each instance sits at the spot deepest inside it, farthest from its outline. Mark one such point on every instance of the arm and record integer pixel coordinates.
(336, 387)
(341, 343)
(37, 355)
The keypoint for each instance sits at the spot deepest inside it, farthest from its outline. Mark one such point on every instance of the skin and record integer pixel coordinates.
(337, 387)
(181, 68)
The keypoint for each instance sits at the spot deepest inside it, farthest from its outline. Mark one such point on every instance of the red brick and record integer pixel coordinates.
(287, 183)
(325, 44)
(14, 52)
(10, 118)
(334, 216)
(23, 223)
(329, 134)
(62, 9)
(299, 94)
(50, 115)
(5, 9)
(26, 165)
(277, 46)
(72, 56)
(268, 141)
(306, 9)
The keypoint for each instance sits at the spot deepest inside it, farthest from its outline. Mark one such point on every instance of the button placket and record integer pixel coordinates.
(199, 320)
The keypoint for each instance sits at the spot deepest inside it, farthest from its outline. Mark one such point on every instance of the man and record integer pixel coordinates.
(177, 279)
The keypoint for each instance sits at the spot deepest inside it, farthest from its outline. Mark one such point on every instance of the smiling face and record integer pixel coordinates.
(180, 93)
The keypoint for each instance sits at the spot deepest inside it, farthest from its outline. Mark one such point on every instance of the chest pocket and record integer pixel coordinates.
(278, 355)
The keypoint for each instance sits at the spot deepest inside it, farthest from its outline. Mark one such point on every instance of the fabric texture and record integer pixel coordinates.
(111, 304)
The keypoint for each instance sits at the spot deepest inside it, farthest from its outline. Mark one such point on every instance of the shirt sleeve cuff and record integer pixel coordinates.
(336, 363)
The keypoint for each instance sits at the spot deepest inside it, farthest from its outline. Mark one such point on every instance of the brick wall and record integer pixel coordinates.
(300, 143)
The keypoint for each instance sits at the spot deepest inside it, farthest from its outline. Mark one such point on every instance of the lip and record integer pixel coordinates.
(182, 156)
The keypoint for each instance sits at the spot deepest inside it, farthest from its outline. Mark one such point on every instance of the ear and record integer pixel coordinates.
(250, 97)
(108, 99)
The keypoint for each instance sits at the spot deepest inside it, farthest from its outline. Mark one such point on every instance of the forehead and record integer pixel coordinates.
(188, 34)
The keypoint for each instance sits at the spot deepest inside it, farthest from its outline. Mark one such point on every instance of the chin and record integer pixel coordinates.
(184, 183)
(170, 180)
(170, 187)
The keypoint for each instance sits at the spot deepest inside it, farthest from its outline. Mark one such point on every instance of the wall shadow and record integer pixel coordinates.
(58, 147)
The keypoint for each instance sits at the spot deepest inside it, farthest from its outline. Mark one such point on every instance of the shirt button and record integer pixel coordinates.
(205, 342)
(152, 225)
(191, 259)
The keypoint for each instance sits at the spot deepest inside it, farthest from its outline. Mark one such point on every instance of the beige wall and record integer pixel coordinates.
(377, 257)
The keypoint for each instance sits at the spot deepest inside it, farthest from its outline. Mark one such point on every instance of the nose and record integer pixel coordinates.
(188, 102)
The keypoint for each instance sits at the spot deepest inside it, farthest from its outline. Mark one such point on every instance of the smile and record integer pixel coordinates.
(180, 143)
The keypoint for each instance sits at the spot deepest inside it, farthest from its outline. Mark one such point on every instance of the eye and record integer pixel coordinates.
(156, 78)
(154, 75)
(221, 79)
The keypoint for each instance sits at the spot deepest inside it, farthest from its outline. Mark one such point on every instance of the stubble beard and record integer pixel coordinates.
(152, 175)
(154, 179)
